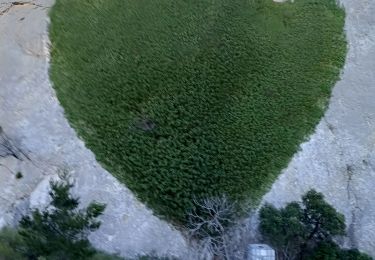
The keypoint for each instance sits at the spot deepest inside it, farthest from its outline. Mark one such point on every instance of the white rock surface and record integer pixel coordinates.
(31, 115)
(339, 159)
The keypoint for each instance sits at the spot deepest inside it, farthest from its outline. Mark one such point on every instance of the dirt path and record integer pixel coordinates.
(339, 159)
(32, 117)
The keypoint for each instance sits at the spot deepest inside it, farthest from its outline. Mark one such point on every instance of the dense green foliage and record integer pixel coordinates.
(330, 251)
(305, 230)
(106, 256)
(151, 257)
(61, 230)
(195, 98)
(11, 245)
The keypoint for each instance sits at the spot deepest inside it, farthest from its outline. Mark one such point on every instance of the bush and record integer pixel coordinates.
(11, 245)
(19, 175)
(61, 230)
(105, 256)
(305, 230)
(330, 251)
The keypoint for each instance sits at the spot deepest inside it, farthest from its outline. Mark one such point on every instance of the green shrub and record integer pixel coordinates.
(330, 251)
(105, 256)
(11, 245)
(195, 98)
(306, 230)
(61, 230)
(19, 175)
(152, 257)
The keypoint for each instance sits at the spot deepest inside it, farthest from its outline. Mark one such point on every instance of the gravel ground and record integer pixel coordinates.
(32, 117)
(338, 159)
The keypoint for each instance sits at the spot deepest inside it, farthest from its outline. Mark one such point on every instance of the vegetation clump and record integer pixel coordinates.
(306, 230)
(19, 175)
(58, 232)
(183, 99)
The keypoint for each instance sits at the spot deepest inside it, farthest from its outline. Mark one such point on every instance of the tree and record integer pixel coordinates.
(321, 221)
(209, 223)
(282, 228)
(297, 230)
(61, 230)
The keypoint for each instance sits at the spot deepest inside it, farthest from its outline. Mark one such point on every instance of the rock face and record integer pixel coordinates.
(339, 158)
(32, 118)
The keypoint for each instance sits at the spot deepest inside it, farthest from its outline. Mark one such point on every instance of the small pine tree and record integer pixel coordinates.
(61, 230)
(321, 220)
(282, 228)
(300, 229)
